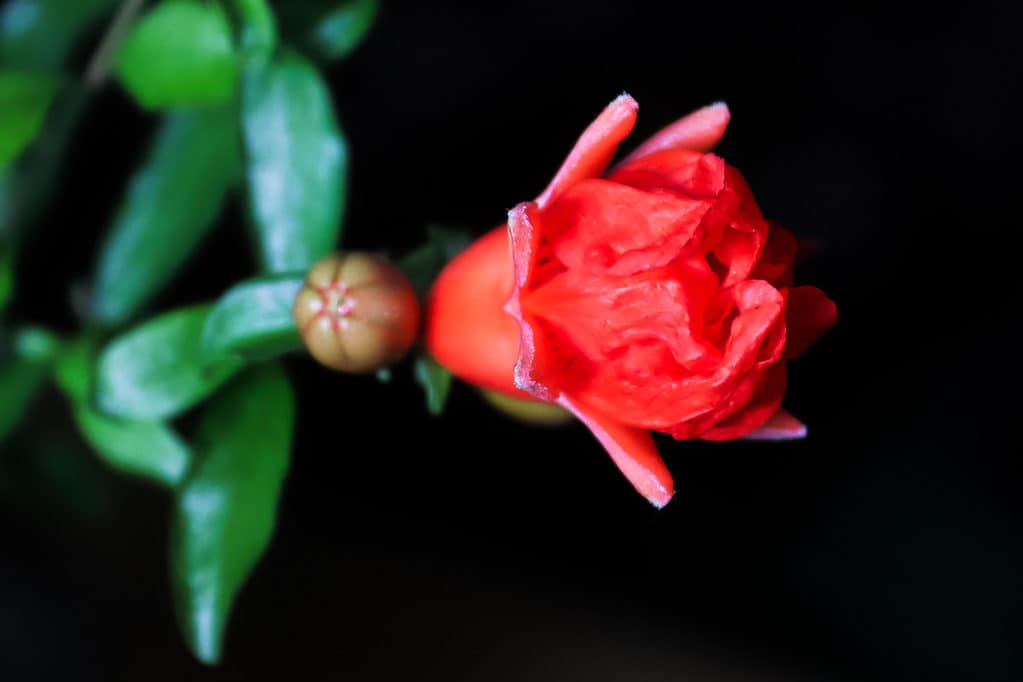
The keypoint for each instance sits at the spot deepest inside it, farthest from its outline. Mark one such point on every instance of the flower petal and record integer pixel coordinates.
(808, 314)
(699, 131)
(595, 147)
(781, 426)
(633, 451)
(765, 403)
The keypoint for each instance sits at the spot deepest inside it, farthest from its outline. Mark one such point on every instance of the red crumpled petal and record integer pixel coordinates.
(781, 426)
(699, 131)
(808, 314)
(765, 403)
(633, 451)
(595, 148)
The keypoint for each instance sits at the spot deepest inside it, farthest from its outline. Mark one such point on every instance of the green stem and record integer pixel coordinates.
(258, 26)
(99, 66)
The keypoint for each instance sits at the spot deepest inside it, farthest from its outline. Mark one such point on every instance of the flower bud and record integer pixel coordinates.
(356, 312)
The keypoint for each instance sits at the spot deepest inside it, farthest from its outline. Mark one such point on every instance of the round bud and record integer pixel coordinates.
(529, 411)
(356, 312)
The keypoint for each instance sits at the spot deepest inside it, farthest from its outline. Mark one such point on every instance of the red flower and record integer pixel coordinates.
(653, 295)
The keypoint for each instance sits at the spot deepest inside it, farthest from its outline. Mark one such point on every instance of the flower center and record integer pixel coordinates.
(336, 302)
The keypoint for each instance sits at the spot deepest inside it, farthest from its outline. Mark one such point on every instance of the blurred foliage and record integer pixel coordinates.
(242, 106)
(180, 54)
(296, 163)
(169, 205)
(224, 515)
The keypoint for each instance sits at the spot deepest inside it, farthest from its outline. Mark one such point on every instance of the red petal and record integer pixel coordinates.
(808, 314)
(699, 131)
(754, 415)
(595, 147)
(634, 453)
(781, 426)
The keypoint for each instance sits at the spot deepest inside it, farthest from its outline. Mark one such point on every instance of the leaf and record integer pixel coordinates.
(170, 204)
(179, 54)
(423, 265)
(23, 374)
(24, 99)
(296, 160)
(28, 186)
(225, 513)
(149, 449)
(157, 370)
(254, 319)
(436, 382)
(38, 35)
(329, 29)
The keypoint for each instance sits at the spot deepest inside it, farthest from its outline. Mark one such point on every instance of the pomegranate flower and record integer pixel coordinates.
(649, 296)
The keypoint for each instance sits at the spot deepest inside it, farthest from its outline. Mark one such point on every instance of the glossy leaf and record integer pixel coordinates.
(436, 382)
(148, 449)
(296, 163)
(38, 35)
(423, 264)
(253, 319)
(180, 53)
(157, 370)
(24, 99)
(225, 512)
(23, 373)
(328, 29)
(169, 206)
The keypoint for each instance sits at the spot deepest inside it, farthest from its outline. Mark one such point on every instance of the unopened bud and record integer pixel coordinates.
(356, 312)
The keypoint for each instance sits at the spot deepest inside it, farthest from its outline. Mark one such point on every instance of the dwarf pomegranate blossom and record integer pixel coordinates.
(649, 296)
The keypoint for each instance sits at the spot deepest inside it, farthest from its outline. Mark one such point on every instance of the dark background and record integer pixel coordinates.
(886, 546)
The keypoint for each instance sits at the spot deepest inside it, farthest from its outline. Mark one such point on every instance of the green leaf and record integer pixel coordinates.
(329, 29)
(38, 35)
(28, 187)
(148, 449)
(179, 54)
(436, 382)
(171, 203)
(296, 163)
(23, 374)
(254, 319)
(423, 265)
(24, 99)
(225, 513)
(157, 370)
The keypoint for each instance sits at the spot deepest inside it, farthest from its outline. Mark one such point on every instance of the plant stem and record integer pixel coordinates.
(99, 65)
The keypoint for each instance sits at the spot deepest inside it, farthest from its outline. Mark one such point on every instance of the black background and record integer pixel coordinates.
(885, 546)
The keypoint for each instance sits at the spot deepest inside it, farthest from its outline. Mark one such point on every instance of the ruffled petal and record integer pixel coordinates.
(764, 403)
(699, 131)
(595, 147)
(632, 450)
(781, 426)
(606, 228)
(808, 314)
